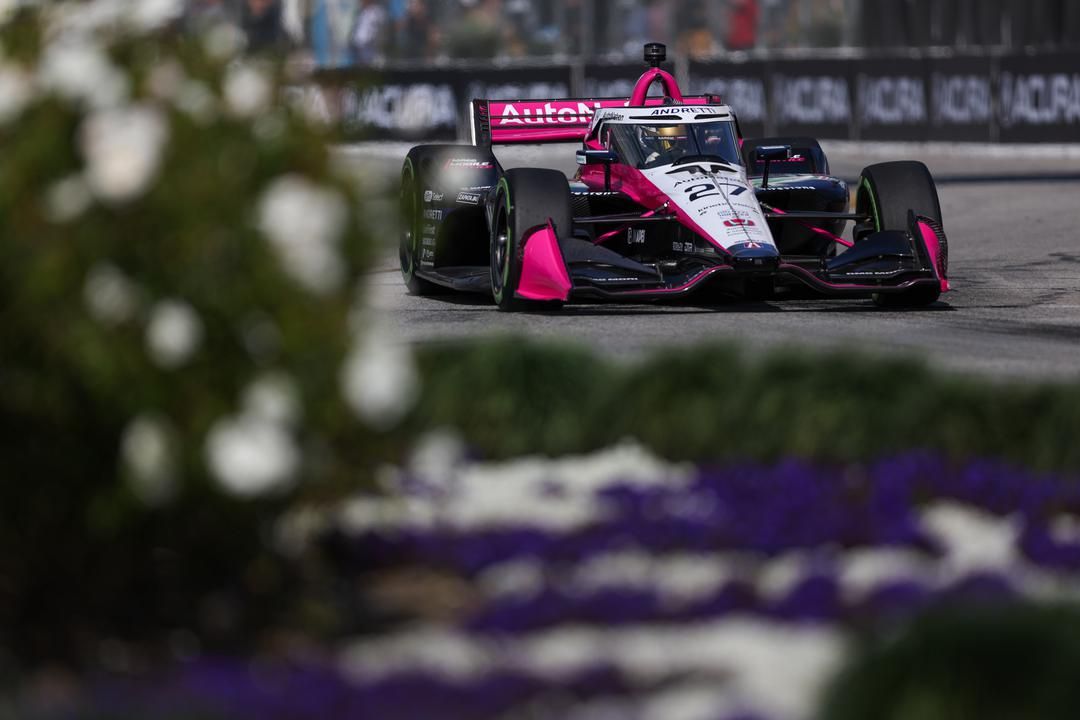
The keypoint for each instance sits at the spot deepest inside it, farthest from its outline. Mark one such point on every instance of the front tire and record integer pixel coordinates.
(526, 198)
(887, 193)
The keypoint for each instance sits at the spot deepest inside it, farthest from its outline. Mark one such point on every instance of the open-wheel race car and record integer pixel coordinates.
(669, 199)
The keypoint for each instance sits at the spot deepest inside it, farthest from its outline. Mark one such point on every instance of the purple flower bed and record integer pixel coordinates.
(659, 592)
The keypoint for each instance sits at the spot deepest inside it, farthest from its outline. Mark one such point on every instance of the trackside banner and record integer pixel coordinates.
(928, 97)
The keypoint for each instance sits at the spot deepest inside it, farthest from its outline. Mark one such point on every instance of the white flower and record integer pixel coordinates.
(223, 41)
(16, 92)
(251, 456)
(152, 14)
(248, 90)
(123, 150)
(110, 296)
(149, 453)
(173, 333)
(274, 398)
(973, 539)
(7, 9)
(304, 222)
(166, 79)
(379, 379)
(196, 100)
(436, 456)
(80, 71)
(67, 199)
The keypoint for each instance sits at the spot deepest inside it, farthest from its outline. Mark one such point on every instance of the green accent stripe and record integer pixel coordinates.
(873, 203)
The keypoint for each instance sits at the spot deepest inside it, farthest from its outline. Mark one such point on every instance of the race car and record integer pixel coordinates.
(669, 200)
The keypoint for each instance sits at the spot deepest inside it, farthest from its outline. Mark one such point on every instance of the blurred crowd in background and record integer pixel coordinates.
(340, 33)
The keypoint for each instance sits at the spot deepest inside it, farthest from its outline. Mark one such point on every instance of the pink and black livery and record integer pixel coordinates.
(669, 199)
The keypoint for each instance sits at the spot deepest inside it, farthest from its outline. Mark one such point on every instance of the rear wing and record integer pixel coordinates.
(507, 122)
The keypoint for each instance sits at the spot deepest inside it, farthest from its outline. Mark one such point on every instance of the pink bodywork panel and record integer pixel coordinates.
(543, 121)
(933, 247)
(543, 272)
(641, 87)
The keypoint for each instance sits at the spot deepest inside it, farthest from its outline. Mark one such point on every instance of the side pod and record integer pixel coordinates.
(543, 272)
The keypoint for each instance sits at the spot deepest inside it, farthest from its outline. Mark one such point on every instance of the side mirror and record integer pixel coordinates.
(599, 157)
(770, 153)
(596, 157)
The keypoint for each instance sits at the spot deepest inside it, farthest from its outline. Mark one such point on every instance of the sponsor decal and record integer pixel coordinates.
(739, 222)
(635, 236)
(682, 247)
(468, 198)
(811, 100)
(430, 196)
(427, 256)
(718, 209)
(892, 100)
(467, 164)
(429, 231)
(433, 215)
(867, 273)
(960, 99)
(667, 111)
(411, 108)
(427, 241)
(549, 113)
(701, 190)
(1040, 99)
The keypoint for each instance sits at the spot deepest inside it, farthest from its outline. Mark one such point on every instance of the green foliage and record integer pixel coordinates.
(710, 403)
(977, 664)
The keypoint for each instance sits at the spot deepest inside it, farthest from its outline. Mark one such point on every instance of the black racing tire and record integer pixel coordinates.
(410, 221)
(525, 198)
(888, 192)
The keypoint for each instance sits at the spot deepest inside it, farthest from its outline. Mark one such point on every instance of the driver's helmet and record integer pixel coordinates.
(664, 138)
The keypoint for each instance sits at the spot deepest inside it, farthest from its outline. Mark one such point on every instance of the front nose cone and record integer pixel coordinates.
(754, 256)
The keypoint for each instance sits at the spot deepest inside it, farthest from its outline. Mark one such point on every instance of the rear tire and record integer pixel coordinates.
(410, 223)
(526, 198)
(887, 193)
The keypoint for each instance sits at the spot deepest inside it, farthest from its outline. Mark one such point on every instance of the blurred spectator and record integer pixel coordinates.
(331, 26)
(658, 21)
(369, 35)
(521, 28)
(476, 29)
(476, 35)
(695, 36)
(415, 34)
(742, 25)
(261, 22)
(634, 33)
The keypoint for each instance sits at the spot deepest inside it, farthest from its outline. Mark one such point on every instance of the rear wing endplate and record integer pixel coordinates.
(507, 122)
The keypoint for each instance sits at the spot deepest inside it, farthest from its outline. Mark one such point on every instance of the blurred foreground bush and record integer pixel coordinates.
(713, 403)
(990, 663)
(177, 263)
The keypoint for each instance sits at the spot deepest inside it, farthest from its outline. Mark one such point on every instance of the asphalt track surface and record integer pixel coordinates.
(1013, 222)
